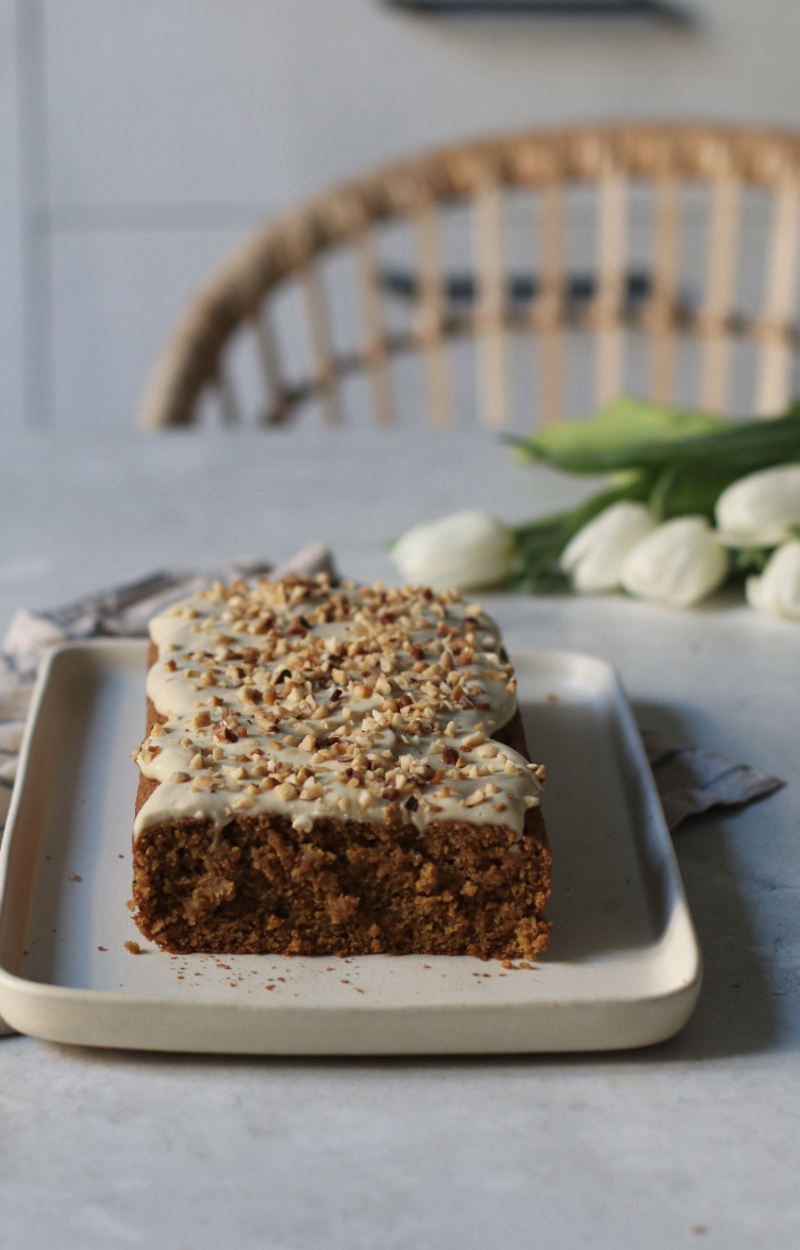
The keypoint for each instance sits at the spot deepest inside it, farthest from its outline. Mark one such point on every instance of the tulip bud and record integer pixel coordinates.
(760, 509)
(467, 551)
(777, 590)
(595, 556)
(677, 564)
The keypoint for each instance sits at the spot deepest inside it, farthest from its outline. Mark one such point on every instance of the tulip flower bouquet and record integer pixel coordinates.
(692, 500)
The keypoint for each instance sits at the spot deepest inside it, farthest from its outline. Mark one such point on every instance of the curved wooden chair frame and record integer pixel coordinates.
(611, 159)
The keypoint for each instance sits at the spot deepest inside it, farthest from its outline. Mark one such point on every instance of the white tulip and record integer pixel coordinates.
(677, 564)
(467, 551)
(777, 590)
(759, 510)
(595, 556)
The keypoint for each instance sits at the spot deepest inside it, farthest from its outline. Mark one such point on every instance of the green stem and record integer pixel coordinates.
(539, 544)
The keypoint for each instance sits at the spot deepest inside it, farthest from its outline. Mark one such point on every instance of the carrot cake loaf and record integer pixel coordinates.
(336, 770)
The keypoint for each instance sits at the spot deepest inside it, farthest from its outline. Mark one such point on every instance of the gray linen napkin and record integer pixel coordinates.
(688, 780)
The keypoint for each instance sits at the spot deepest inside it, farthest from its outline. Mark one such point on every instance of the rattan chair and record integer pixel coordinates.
(660, 249)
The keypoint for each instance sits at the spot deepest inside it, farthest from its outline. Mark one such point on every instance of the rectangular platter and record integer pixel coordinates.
(623, 969)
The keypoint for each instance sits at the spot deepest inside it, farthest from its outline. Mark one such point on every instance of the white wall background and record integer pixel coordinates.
(140, 139)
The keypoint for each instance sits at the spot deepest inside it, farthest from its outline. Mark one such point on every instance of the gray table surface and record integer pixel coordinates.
(695, 1139)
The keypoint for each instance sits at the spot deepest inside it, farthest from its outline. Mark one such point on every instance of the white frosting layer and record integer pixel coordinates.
(341, 703)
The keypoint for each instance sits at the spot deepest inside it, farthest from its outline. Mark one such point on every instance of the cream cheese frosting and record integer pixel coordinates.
(331, 702)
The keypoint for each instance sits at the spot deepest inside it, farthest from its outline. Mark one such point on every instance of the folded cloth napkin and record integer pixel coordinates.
(688, 780)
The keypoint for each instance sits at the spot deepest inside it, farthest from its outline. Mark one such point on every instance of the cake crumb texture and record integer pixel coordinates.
(259, 886)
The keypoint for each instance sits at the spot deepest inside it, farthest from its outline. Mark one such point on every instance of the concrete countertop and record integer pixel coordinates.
(695, 1140)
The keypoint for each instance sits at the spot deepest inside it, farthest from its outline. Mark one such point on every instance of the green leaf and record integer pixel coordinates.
(689, 489)
(742, 446)
(616, 437)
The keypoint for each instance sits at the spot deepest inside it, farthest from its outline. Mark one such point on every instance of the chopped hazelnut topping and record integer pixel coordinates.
(475, 798)
(365, 705)
(486, 752)
(287, 793)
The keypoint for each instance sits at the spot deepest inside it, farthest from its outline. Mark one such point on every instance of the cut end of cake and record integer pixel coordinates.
(260, 886)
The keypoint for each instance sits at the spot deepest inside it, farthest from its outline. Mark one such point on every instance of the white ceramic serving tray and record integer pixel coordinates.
(623, 968)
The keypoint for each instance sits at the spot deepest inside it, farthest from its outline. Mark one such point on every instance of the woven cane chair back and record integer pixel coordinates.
(572, 265)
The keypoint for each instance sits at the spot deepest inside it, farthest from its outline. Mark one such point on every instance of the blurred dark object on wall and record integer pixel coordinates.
(661, 11)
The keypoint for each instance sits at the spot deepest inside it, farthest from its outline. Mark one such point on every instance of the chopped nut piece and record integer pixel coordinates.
(475, 798)
(487, 752)
(286, 793)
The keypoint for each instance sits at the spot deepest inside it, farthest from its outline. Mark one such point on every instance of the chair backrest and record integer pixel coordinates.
(576, 264)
